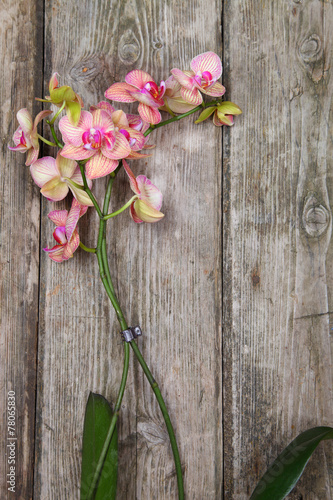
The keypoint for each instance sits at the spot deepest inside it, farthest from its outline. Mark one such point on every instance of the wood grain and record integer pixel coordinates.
(277, 342)
(167, 275)
(20, 213)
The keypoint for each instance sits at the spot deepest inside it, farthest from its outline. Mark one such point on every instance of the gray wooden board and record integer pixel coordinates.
(277, 271)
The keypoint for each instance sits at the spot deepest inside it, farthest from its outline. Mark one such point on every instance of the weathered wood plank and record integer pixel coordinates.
(21, 67)
(277, 343)
(167, 275)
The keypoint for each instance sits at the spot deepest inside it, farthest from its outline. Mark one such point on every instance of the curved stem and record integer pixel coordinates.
(87, 189)
(54, 135)
(117, 212)
(87, 249)
(49, 143)
(57, 113)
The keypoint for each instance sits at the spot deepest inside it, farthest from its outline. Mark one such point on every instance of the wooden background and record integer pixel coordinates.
(236, 396)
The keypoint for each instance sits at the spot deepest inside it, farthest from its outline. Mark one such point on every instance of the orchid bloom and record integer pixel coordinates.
(57, 176)
(149, 199)
(173, 99)
(133, 134)
(206, 69)
(65, 233)
(95, 138)
(25, 136)
(223, 113)
(66, 96)
(140, 86)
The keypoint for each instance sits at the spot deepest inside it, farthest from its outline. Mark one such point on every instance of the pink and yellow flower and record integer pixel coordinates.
(173, 99)
(140, 86)
(65, 234)
(25, 136)
(95, 138)
(56, 176)
(149, 199)
(223, 113)
(206, 69)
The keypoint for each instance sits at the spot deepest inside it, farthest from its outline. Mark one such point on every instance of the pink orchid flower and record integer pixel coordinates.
(140, 86)
(25, 136)
(57, 176)
(173, 99)
(149, 199)
(206, 69)
(96, 139)
(65, 234)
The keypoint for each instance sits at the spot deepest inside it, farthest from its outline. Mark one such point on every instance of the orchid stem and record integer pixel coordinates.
(57, 113)
(54, 135)
(87, 249)
(87, 190)
(117, 212)
(49, 143)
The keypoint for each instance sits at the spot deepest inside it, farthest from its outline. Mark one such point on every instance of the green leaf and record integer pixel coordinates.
(61, 94)
(73, 110)
(281, 477)
(205, 114)
(96, 424)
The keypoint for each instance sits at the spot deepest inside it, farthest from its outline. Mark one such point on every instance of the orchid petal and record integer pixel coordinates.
(72, 219)
(179, 105)
(73, 110)
(149, 192)
(121, 148)
(43, 170)
(120, 92)
(132, 179)
(215, 90)
(79, 194)
(184, 80)
(103, 105)
(41, 116)
(191, 96)
(119, 119)
(138, 78)
(146, 98)
(133, 215)
(71, 134)
(55, 189)
(66, 167)
(150, 115)
(71, 246)
(229, 108)
(53, 82)
(58, 217)
(74, 153)
(32, 156)
(77, 177)
(146, 212)
(208, 61)
(101, 119)
(136, 156)
(55, 253)
(99, 166)
(25, 120)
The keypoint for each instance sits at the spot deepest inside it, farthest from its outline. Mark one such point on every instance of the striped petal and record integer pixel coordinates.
(120, 92)
(76, 153)
(132, 178)
(77, 177)
(25, 120)
(148, 114)
(58, 217)
(119, 119)
(215, 90)
(138, 78)
(146, 212)
(149, 193)
(79, 194)
(55, 253)
(66, 167)
(103, 105)
(71, 134)
(71, 246)
(208, 61)
(32, 156)
(55, 189)
(121, 148)
(43, 170)
(191, 96)
(136, 156)
(101, 119)
(184, 80)
(99, 166)
(134, 215)
(72, 219)
(41, 116)
(146, 98)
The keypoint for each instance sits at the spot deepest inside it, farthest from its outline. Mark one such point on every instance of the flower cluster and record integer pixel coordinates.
(95, 143)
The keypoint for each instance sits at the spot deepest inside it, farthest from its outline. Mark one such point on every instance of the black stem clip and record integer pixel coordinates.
(131, 333)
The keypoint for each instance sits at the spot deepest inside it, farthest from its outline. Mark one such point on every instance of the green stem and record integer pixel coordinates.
(54, 135)
(57, 113)
(49, 143)
(117, 212)
(180, 117)
(87, 249)
(87, 190)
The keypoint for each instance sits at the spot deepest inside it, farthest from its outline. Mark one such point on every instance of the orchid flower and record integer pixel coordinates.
(140, 86)
(57, 176)
(95, 138)
(64, 96)
(25, 136)
(65, 234)
(173, 99)
(149, 199)
(223, 113)
(206, 69)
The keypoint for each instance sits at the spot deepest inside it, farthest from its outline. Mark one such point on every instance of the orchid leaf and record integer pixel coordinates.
(205, 114)
(281, 477)
(96, 424)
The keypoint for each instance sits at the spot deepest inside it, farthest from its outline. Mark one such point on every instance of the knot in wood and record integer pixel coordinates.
(310, 49)
(129, 49)
(316, 217)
